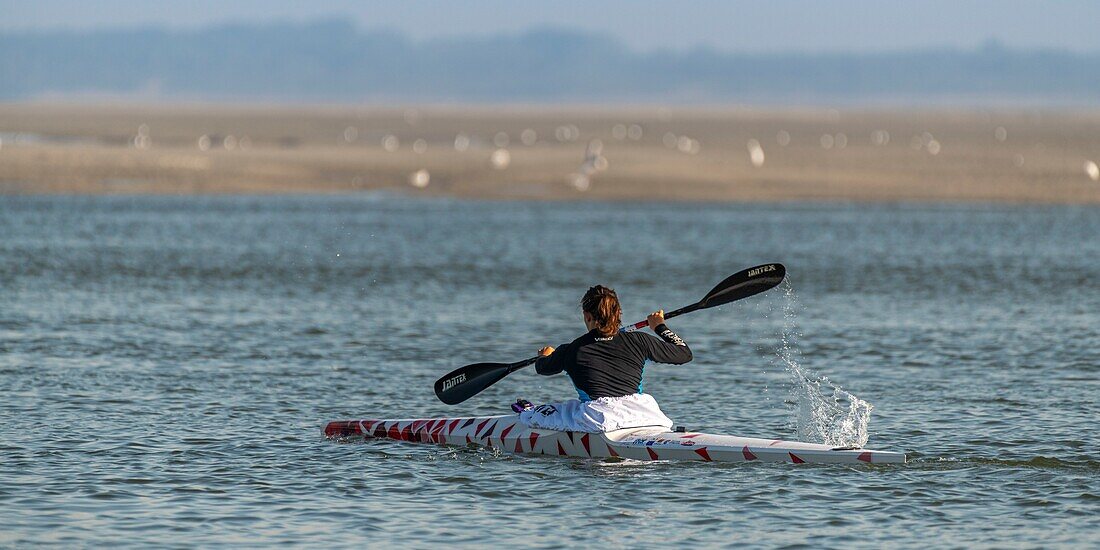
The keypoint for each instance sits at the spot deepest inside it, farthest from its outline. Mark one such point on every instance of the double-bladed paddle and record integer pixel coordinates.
(466, 382)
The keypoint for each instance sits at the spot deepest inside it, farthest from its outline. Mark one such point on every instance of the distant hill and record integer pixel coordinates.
(335, 61)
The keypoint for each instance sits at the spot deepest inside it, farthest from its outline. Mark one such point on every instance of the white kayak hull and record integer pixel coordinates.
(508, 434)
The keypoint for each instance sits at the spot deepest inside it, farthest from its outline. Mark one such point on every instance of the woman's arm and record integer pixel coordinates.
(548, 362)
(670, 348)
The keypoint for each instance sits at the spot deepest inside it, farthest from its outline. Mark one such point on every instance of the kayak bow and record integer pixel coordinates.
(508, 434)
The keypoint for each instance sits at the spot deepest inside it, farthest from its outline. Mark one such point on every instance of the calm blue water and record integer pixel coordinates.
(166, 365)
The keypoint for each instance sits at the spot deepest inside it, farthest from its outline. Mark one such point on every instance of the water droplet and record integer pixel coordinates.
(462, 142)
(420, 179)
(567, 132)
(500, 159)
(783, 138)
(756, 153)
(420, 146)
(528, 137)
(390, 143)
(594, 148)
(683, 143)
(1092, 170)
(580, 182)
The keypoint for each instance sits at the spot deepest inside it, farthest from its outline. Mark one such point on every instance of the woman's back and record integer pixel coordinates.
(612, 366)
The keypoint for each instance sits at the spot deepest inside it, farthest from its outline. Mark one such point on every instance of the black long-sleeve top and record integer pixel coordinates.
(611, 366)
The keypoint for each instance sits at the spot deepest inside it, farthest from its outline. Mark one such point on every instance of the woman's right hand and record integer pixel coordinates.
(546, 351)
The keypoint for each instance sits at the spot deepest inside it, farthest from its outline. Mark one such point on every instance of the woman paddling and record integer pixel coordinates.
(605, 366)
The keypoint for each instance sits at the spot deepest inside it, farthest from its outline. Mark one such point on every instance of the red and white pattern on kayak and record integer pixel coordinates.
(508, 434)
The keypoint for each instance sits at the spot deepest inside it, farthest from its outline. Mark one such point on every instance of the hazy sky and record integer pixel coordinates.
(757, 25)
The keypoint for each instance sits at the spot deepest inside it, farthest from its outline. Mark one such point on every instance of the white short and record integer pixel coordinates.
(599, 415)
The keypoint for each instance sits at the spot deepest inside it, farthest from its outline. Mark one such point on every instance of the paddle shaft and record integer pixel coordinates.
(669, 315)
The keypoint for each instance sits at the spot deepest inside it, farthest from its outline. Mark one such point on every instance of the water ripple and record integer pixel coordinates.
(166, 365)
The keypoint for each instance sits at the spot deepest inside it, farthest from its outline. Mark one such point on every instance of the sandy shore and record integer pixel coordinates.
(644, 153)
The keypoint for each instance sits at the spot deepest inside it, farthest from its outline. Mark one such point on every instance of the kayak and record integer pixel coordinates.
(508, 434)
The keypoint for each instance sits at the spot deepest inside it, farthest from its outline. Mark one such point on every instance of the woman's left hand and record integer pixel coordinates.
(656, 319)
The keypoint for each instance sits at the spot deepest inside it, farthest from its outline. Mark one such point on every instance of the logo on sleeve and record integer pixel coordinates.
(671, 337)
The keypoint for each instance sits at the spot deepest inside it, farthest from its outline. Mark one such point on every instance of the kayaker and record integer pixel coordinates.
(606, 367)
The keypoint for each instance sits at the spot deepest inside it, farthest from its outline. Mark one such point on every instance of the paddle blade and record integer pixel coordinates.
(466, 382)
(743, 284)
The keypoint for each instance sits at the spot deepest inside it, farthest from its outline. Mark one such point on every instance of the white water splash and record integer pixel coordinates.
(823, 412)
